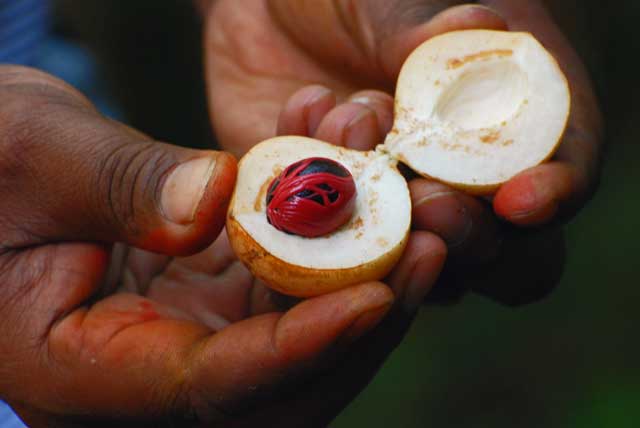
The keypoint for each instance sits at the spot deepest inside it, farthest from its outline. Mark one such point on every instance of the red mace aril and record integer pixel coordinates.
(312, 197)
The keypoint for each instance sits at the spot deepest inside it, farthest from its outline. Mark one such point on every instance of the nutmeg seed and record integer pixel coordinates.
(311, 198)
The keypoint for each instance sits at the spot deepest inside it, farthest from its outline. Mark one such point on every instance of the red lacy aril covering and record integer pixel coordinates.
(311, 198)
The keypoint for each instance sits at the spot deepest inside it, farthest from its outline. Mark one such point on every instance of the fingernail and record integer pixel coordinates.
(364, 323)
(184, 189)
(488, 9)
(362, 132)
(470, 9)
(383, 109)
(455, 228)
(318, 106)
(361, 100)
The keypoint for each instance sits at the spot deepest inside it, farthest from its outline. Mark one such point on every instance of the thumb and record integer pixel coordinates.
(408, 32)
(75, 175)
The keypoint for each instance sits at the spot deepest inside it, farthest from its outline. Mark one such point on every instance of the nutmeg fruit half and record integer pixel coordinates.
(364, 249)
(473, 109)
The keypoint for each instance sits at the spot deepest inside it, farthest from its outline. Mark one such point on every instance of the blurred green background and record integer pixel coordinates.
(572, 360)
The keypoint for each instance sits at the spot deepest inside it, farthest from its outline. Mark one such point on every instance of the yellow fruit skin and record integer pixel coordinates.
(301, 281)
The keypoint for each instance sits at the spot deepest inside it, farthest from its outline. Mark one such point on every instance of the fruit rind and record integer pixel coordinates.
(302, 281)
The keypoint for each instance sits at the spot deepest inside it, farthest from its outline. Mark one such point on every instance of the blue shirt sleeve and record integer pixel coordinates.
(23, 27)
(8, 419)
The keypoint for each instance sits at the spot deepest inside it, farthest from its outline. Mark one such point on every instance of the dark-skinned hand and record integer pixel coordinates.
(334, 64)
(121, 309)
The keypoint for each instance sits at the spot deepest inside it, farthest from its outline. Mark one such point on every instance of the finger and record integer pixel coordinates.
(407, 32)
(467, 227)
(462, 221)
(214, 260)
(351, 125)
(213, 287)
(381, 103)
(284, 347)
(534, 197)
(79, 176)
(317, 402)
(185, 370)
(265, 300)
(304, 111)
(418, 270)
(215, 300)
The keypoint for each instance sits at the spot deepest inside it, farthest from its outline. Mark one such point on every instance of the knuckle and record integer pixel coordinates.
(128, 181)
(17, 120)
(30, 83)
(21, 132)
(27, 121)
(30, 101)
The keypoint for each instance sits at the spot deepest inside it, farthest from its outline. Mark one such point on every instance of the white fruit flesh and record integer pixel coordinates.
(380, 222)
(474, 108)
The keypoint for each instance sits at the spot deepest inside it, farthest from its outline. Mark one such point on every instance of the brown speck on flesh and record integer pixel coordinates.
(357, 223)
(507, 143)
(359, 235)
(373, 199)
(374, 217)
(376, 177)
(453, 147)
(437, 83)
(484, 55)
(382, 242)
(490, 138)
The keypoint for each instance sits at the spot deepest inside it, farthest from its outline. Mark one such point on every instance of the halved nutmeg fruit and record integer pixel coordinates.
(473, 109)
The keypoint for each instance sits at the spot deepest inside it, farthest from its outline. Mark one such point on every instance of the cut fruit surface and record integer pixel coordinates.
(364, 249)
(474, 108)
